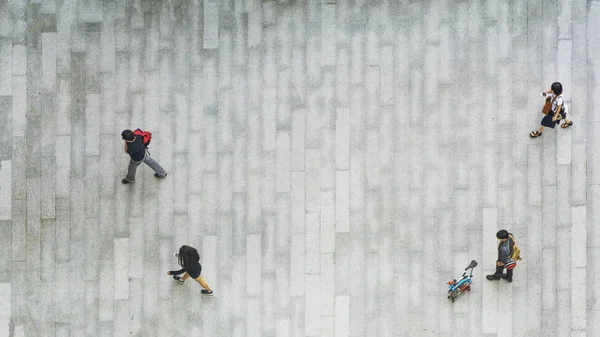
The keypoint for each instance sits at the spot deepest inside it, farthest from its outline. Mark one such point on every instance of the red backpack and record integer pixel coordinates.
(146, 136)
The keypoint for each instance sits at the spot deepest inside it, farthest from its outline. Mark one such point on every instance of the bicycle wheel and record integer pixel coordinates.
(455, 293)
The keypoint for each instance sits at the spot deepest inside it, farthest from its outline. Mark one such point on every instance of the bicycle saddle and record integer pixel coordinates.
(473, 264)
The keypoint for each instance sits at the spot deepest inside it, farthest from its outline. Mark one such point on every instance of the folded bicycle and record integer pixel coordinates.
(462, 285)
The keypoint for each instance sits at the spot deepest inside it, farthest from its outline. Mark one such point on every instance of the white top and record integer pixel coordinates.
(558, 101)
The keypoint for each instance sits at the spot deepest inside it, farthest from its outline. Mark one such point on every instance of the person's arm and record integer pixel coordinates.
(176, 272)
(126, 147)
(558, 107)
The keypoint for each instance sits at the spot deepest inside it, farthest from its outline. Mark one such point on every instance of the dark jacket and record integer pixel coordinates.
(505, 250)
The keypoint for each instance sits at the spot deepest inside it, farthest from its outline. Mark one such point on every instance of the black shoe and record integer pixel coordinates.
(157, 176)
(178, 279)
(207, 293)
(125, 181)
(492, 277)
(506, 278)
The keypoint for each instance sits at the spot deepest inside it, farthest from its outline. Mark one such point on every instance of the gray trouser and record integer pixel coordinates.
(148, 161)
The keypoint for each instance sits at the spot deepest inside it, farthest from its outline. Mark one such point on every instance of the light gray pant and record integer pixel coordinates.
(148, 161)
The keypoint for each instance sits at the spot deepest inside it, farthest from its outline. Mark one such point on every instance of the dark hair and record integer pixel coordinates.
(502, 234)
(127, 135)
(188, 256)
(556, 88)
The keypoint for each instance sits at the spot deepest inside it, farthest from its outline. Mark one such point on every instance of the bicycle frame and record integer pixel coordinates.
(462, 285)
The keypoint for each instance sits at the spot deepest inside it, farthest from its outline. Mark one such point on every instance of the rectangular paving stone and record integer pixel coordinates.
(5, 249)
(283, 162)
(284, 102)
(297, 195)
(253, 255)
(342, 139)
(327, 222)
(5, 308)
(6, 193)
(105, 291)
(342, 316)
(297, 265)
(327, 284)
(312, 318)
(6, 64)
(578, 236)
(49, 64)
(19, 232)
(313, 180)
(372, 87)
(282, 229)
(121, 267)
(342, 201)
(312, 240)
(328, 44)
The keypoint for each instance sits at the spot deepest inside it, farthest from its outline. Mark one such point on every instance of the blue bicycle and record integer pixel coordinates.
(462, 285)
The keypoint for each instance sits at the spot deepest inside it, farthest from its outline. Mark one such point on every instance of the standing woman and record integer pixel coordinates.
(189, 260)
(557, 112)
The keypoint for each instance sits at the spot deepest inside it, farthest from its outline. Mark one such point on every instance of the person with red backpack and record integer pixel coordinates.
(136, 145)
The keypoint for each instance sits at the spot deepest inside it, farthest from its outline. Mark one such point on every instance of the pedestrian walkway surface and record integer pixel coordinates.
(334, 162)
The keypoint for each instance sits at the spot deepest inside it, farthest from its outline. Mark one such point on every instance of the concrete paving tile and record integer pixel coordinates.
(48, 249)
(33, 209)
(342, 201)
(121, 267)
(372, 166)
(254, 316)
(268, 184)
(6, 64)
(254, 144)
(239, 225)
(312, 240)
(105, 292)
(298, 210)
(6, 193)
(372, 101)
(372, 225)
(268, 245)
(121, 322)
(328, 104)
(312, 180)
(283, 161)
(91, 307)
(327, 221)
(268, 323)
(253, 269)
(297, 265)
(282, 229)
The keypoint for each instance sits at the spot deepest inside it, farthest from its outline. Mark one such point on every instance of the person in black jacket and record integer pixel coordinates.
(189, 260)
(505, 251)
(134, 146)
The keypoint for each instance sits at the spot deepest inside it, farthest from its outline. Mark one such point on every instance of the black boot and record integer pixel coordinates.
(504, 276)
(493, 277)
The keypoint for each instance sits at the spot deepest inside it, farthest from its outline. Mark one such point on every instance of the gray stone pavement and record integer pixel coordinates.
(334, 162)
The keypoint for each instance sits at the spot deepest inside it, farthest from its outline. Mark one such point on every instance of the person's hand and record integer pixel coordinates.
(554, 119)
(168, 273)
(499, 264)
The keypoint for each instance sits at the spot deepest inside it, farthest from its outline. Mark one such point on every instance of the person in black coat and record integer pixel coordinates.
(189, 260)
